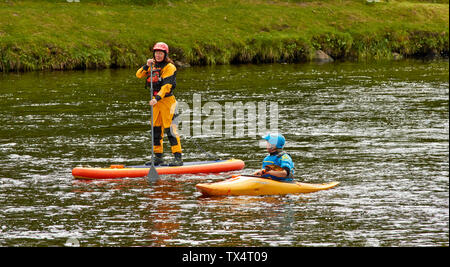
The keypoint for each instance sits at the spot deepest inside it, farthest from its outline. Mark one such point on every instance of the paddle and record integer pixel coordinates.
(256, 176)
(152, 173)
(247, 175)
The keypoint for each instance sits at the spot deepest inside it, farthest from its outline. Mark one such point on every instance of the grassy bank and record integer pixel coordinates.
(57, 34)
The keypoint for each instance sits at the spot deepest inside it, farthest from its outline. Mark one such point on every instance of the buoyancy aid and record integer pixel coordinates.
(159, 79)
(277, 162)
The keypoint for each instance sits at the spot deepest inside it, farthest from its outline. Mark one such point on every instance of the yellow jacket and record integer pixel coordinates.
(165, 82)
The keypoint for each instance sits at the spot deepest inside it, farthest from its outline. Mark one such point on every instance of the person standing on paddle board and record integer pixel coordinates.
(163, 101)
(278, 164)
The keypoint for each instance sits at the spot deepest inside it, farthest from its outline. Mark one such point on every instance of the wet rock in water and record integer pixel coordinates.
(181, 64)
(320, 56)
(432, 54)
(397, 56)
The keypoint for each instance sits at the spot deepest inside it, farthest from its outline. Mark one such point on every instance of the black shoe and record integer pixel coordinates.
(158, 160)
(177, 161)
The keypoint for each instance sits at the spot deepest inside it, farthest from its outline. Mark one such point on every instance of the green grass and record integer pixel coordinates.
(57, 34)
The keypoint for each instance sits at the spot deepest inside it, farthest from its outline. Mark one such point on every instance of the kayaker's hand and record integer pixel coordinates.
(149, 62)
(153, 102)
(260, 172)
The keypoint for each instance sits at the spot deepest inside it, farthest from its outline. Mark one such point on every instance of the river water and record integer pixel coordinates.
(380, 129)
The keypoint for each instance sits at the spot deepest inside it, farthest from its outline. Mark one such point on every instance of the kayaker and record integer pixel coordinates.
(163, 102)
(278, 164)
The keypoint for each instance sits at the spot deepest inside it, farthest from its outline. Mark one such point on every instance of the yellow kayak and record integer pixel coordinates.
(251, 185)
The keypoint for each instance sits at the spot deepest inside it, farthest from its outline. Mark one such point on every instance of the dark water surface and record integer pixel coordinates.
(379, 129)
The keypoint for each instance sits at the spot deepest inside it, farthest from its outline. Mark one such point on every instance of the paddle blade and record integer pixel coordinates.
(152, 175)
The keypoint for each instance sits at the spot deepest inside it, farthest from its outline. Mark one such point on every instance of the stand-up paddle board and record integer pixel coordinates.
(121, 171)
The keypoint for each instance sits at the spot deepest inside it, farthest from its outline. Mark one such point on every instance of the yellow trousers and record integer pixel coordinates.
(163, 113)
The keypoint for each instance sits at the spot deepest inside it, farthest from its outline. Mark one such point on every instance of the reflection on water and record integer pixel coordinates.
(379, 129)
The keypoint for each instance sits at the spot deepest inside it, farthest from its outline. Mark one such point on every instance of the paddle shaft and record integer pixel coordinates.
(151, 114)
(212, 156)
(152, 173)
(256, 176)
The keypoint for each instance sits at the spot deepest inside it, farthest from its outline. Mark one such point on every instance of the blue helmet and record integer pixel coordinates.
(275, 139)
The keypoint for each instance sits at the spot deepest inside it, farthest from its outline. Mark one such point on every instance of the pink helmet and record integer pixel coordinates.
(161, 46)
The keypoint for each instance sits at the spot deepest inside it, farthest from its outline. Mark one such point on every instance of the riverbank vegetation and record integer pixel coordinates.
(44, 34)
